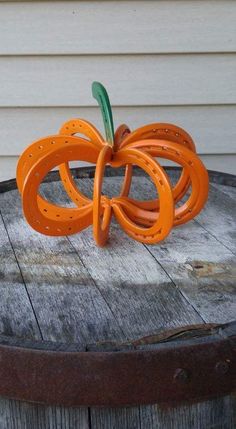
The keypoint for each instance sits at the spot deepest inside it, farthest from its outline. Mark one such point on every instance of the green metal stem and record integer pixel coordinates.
(100, 94)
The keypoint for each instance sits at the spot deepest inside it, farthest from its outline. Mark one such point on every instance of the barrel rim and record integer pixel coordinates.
(217, 177)
(174, 372)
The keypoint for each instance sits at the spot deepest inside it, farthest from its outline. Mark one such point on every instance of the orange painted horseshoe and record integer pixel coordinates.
(142, 222)
(101, 227)
(164, 221)
(195, 171)
(91, 134)
(45, 217)
(169, 132)
(88, 131)
(120, 134)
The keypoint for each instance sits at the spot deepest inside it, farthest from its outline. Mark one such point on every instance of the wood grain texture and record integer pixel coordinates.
(117, 418)
(197, 261)
(212, 127)
(196, 416)
(65, 300)
(106, 27)
(138, 308)
(23, 415)
(228, 190)
(221, 226)
(159, 79)
(122, 271)
(63, 294)
(16, 313)
(18, 319)
(82, 293)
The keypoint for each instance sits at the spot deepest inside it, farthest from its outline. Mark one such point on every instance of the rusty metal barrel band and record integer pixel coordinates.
(177, 371)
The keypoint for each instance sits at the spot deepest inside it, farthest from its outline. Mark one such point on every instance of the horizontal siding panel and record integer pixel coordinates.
(131, 80)
(91, 27)
(212, 127)
(223, 163)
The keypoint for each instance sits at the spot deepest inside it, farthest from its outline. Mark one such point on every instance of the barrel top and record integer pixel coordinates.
(66, 289)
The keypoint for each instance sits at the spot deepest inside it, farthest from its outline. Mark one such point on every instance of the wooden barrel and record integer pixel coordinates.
(127, 336)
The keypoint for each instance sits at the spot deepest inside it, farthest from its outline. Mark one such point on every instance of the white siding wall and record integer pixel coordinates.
(166, 60)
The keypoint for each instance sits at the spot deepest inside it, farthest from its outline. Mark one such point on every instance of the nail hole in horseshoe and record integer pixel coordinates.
(198, 266)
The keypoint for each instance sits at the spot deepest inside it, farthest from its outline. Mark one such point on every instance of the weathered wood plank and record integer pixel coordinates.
(23, 415)
(138, 308)
(67, 79)
(117, 418)
(67, 303)
(124, 27)
(16, 313)
(200, 266)
(218, 218)
(228, 190)
(217, 414)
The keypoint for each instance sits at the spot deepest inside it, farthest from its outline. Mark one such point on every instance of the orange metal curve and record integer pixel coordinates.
(145, 221)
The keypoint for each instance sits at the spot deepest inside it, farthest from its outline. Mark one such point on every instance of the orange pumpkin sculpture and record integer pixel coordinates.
(145, 221)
